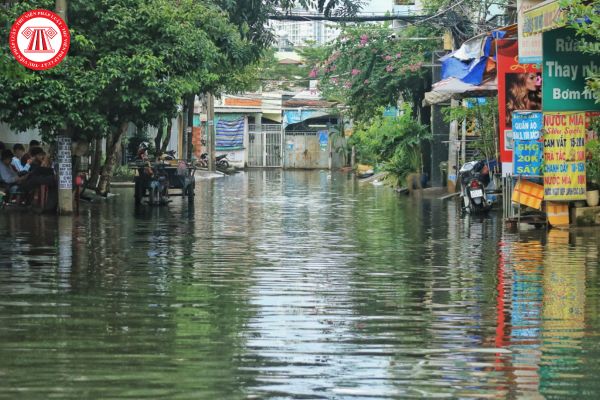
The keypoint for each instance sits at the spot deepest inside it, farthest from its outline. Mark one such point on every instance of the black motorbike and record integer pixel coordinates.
(474, 177)
(221, 161)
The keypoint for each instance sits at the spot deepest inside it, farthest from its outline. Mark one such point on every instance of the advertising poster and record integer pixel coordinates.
(530, 47)
(527, 126)
(565, 70)
(63, 145)
(519, 88)
(564, 156)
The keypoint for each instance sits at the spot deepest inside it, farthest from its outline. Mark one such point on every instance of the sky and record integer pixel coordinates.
(380, 6)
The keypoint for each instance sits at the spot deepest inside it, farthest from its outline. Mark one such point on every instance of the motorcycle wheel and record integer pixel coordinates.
(224, 164)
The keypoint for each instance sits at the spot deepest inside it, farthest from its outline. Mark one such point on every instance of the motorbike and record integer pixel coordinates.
(474, 177)
(168, 156)
(221, 160)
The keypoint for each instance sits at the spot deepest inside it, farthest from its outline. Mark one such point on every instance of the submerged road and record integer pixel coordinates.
(280, 284)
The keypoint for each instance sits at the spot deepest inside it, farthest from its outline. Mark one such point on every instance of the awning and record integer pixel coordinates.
(454, 88)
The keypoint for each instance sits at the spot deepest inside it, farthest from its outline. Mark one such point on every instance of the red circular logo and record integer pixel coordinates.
(39, 39)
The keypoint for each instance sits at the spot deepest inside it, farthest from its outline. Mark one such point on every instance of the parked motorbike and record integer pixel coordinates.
(221, 161)
(474, 177)
(169, 155)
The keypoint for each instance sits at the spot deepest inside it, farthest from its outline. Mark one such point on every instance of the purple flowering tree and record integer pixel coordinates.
(366, 69)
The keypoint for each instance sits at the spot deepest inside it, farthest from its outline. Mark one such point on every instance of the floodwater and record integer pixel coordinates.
(294, 285)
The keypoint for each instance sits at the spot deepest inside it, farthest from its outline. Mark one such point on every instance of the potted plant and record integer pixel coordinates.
(592, 168)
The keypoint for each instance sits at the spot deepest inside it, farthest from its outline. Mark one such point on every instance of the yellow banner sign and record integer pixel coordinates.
(564, 156)
(546, 16)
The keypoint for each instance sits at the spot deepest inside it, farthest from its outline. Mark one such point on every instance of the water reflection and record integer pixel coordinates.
(276, 284)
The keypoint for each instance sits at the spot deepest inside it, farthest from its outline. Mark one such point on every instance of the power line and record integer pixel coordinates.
(375, 18)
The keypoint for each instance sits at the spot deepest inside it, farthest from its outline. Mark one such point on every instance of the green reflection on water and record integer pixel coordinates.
(293, 284)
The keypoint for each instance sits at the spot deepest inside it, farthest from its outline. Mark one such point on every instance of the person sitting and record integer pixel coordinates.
(41, 173)
(21, 168)
(33, 143)
(8, 176)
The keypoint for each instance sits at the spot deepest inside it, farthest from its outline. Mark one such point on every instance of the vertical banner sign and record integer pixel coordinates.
(530, 46)
(527, 126)
(519, 88)
(65, 170)
(565, 70)
(323, 140)
(564, 156)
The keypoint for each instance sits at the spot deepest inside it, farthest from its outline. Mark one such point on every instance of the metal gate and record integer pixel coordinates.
(304, 150)
(264, 146)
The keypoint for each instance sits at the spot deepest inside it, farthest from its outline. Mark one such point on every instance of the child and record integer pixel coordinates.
(21, 168)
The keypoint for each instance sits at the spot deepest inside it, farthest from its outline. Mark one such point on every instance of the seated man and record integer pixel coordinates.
(8, 176)
(16, 163)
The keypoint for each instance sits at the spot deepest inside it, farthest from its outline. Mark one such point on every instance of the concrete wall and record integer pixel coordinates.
(10, 137)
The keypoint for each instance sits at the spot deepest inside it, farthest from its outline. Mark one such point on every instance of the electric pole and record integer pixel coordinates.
(63, 148)
(210, 134)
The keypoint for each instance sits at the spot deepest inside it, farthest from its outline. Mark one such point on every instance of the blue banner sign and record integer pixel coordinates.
(323, 140)
(527, 125)
(528, 158)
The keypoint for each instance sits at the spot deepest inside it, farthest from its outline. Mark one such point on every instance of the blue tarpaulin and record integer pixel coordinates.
(230, 134)
(469, 62)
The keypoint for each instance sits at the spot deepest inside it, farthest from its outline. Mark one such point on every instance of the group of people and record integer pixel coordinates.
(22, 172)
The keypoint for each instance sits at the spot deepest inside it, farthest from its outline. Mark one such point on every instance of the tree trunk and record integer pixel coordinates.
(165, 143)
(113, 145)
(190, 126)
(158, 139)
(96, 164)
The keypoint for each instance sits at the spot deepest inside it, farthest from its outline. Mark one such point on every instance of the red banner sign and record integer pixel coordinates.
(519, 89)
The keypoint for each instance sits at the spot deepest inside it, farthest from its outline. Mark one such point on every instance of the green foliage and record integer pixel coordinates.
(483, 117)
(584, 18)
(276, 76)
(469, 19)
(393, 142)
(592, 165)
(133, 143)
(130, 60)
(368, 67)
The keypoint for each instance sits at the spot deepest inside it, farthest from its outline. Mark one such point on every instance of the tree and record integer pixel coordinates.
(584, 18)
(392, 142)
(467, 18)
(130, 61)
(373, 66)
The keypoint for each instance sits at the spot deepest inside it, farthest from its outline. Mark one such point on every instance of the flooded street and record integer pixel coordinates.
(280, 284)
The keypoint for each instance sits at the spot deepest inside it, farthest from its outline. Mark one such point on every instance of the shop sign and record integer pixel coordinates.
(544, 17)
(519, 89)
(565, 70)
(527, 147)
(564, 156)
(530, 47)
